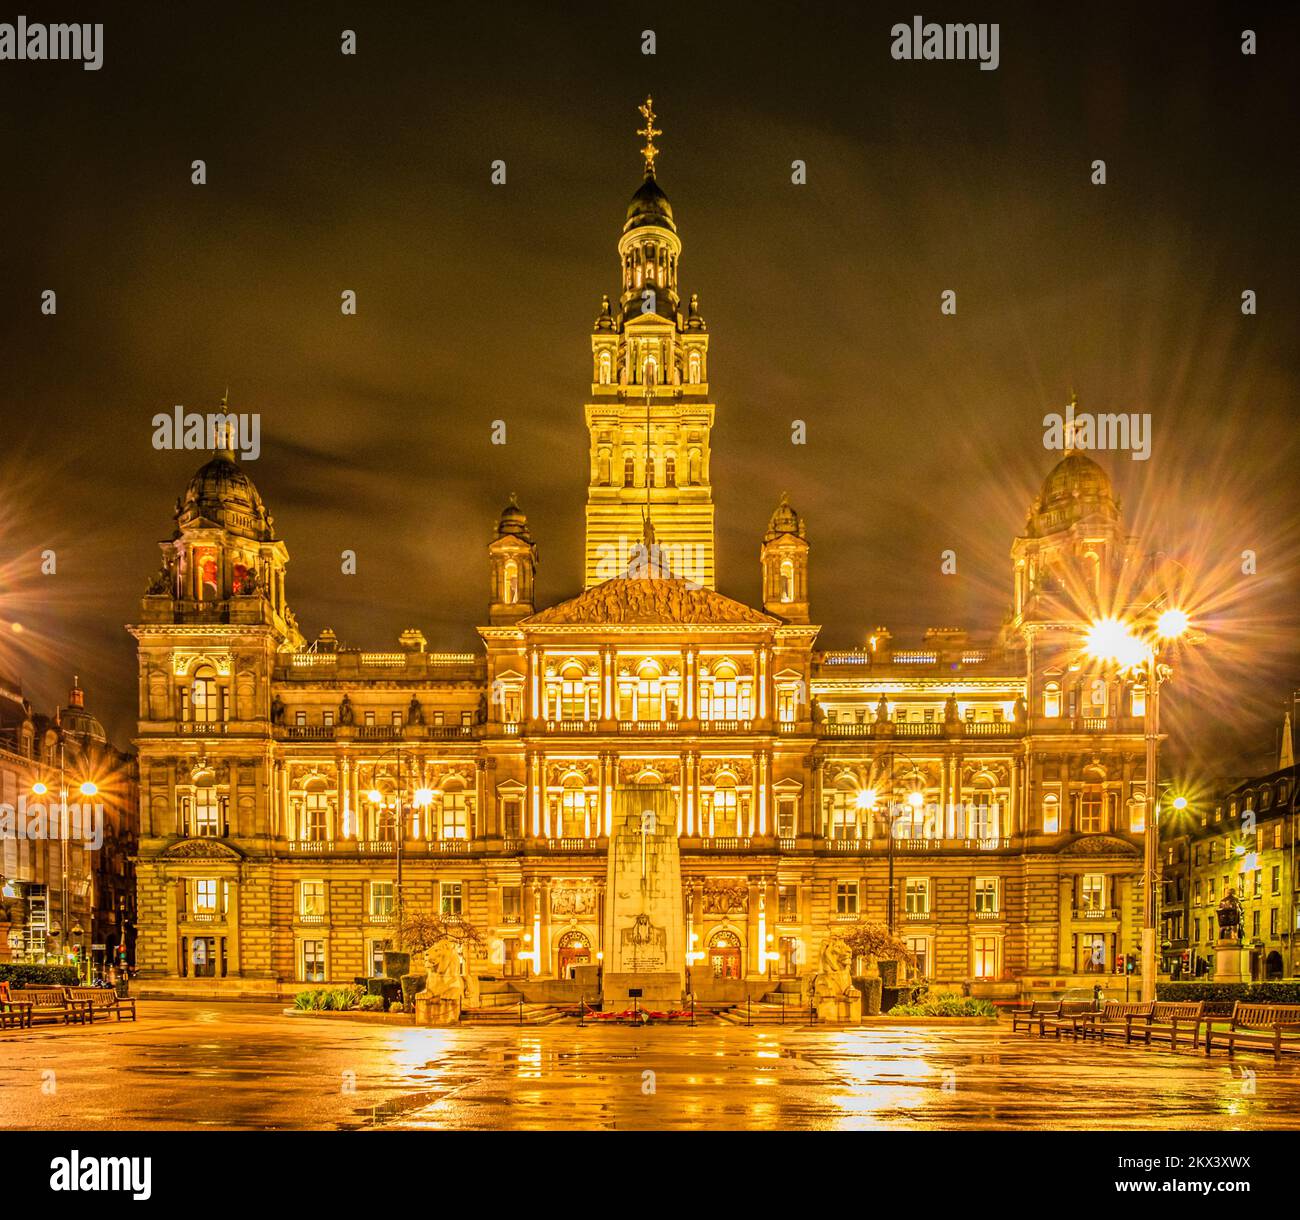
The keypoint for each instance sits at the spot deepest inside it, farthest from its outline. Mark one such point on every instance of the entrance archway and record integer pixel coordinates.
(724, 955)
(574, 950)
(1273, 965)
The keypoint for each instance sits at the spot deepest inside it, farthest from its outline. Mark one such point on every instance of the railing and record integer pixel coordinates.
(859, 656)
(787, 727)
(846, 729)
(448, 732)
(304, 660)
(512, 845)
(912, 656)
(311, 847)
(447, 847)
(304, 917)
(571, 844)
(377, 847)
(993, 728)
(571, 726)
(310, 732)
(986, 916)
(786, 844)
(648, 726)
(379, 732)
(204, 917)
(381, 917)
(510, 728)
(917, 728)
(1094, 913)
(726, 726)
(384, 660)
(726, 843)
(917, 916)
(847, 846)
(203, 728)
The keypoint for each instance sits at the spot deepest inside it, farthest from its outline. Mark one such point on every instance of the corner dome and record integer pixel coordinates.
(785, 520)
(649, 206)
(1075, 488)
(221, 494)
(512, 521)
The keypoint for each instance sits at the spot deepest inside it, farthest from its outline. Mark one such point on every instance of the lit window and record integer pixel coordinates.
(451, 898)
(205, 896)
(916, 895)
(986, 895)
(1051, 814)
(984, 957)
(313, 961)
(1052, 699)
(203, 696)
(382, 901)
(846, 898)
(312, 898)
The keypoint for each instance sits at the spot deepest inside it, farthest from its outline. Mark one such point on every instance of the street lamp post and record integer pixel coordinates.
(1114, 641)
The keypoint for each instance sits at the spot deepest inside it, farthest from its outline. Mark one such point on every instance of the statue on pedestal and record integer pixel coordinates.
(1229, 915)
(444, 985)
(833, 992)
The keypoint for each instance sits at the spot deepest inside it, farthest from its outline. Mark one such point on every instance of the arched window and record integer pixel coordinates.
(602, 467)
(724, 811)
(1051, 814)
(649, 694)
(693, 474)
(1138, 701)
(693, 368)
(574, 950)
(316, 810)
(510, 582)
(573, 693)
(1052, 699)
(1091, 810)
(208, 587)
(573, 809)
(606, 368)
(204, 698)
(787, 580)
(670, 471)
(629, 472)
(650, 464)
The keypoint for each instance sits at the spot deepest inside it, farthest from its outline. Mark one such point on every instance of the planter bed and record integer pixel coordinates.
(355, 1014)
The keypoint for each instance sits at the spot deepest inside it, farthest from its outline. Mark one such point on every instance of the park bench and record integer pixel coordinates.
(1169, 1017)
(1268, 1027)
(54, 1004)
(103, 1000)
(1116, 1017)
(1067, 1018)
(1026, 1016)
(13, 1011)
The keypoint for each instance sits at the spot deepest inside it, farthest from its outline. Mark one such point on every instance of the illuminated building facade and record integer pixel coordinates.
(294, 794)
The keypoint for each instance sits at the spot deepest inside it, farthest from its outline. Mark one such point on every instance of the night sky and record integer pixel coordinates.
(475, 302)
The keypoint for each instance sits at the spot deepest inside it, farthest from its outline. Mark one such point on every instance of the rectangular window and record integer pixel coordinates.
(510, 963)
(450, 898)
(205, 896)
(1196, 930)
(383, 901)
(986, 895)
(397, 720)
(313, 961)
(916, 895)
(846, 898)
(1090, 954)
(327, 718)
(512, 817)
(984, 957)
(787, 903)
(1275, 880)
(376, 956)
(466, 719)
(920, 948)
(788, 956)
(1272, 922)
(1090, 810)
(300, 718)
(370, 719)
(1254, 923)
(1092, 892)
(455, 815)
(207, 813)
(1277, 833)
(311, 900)
(512, 904)
(787, 808)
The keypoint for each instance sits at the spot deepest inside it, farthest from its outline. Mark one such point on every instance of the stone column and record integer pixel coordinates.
(171, 924)
(233, 931)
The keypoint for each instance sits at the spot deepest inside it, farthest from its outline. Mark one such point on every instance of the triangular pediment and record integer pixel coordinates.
(633, 600)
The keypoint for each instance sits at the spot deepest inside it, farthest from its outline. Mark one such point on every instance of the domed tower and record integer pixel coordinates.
(784, 558)
(649, 416)
(513, 557)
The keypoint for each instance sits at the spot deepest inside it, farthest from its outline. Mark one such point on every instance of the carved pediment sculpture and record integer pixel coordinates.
(649, 600)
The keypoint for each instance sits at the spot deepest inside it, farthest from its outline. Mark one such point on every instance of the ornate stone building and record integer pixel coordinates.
(983, 794)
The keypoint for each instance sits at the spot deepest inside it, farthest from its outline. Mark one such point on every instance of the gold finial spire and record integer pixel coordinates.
(649, 152)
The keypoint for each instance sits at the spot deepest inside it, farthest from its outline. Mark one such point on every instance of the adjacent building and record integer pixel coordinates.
(64, 897)
(982, 791)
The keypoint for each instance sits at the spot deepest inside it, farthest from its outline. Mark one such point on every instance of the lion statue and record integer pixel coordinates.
(833, 980)
(443, 979)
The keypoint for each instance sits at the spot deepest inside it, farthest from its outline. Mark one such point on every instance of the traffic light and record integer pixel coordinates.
(1131, 963)
(1121, 964)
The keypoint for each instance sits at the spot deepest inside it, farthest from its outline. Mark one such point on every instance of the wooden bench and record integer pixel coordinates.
(1260, 1027)
(1116, 1017)
(1169, 1017)
(13, 1011)
(53, 1004)
(103, 1000)
(1028, 1015)
(1067, 1018)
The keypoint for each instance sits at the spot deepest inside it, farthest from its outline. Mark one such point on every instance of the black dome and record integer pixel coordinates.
(649, 206)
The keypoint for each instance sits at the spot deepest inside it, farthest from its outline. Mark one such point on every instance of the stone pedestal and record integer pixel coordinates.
(660, 991)
(429, 1011)
(1231, 962)
(841, 1010)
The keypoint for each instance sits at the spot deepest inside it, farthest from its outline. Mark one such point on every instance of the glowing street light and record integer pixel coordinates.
(866, 798)
(89, 789)
(1172, 624)
(1180, 803)
(39, 788)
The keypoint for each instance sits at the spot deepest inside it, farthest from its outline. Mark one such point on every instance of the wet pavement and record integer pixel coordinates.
(248, 1066)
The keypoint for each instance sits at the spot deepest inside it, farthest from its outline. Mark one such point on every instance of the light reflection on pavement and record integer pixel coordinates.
(248, 1066)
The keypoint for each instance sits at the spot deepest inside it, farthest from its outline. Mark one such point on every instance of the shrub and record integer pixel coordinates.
(328, 999)
(1225, 993)
(371, 1003)
(30, 974)
(307, 999)
(411, 985)
(946, 1006)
